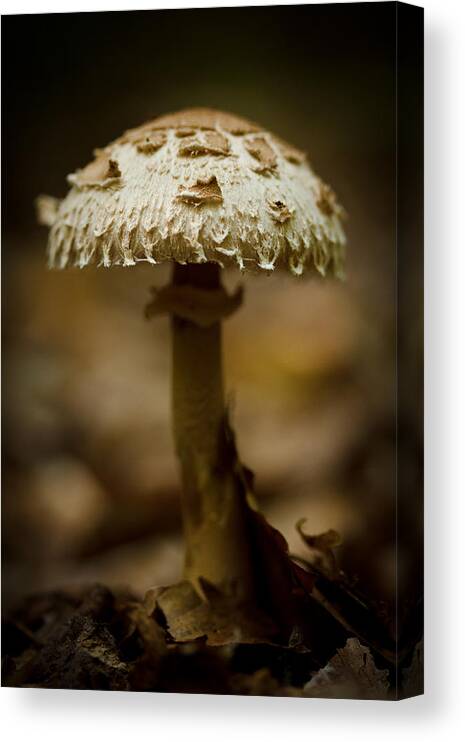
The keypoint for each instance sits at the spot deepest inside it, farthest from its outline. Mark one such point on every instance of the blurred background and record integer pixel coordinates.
(90, 487)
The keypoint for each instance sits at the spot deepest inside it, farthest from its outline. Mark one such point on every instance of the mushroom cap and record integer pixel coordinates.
(194, 186)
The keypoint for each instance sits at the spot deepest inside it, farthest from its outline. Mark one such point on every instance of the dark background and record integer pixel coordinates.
(322, 76)
(89, 477)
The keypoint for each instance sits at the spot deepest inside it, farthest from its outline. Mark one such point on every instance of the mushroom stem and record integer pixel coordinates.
(213, 510)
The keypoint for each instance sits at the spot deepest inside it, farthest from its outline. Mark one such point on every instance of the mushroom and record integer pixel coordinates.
(205, 190)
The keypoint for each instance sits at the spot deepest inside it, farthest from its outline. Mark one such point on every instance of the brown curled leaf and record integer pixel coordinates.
(139, 620)
(217, 617)
(321, 547)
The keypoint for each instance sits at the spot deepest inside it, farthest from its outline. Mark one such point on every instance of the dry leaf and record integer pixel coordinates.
(150, 632)
(321, 547)
(218, 619)
(351, 673)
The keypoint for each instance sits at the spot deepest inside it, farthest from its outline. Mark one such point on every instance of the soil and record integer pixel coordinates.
(96, 639)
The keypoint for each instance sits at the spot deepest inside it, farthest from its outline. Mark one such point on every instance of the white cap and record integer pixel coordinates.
(194, 186)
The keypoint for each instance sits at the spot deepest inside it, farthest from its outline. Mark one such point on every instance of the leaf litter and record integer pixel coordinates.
(308, 634)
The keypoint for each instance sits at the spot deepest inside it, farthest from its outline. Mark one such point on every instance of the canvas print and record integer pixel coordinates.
(212, 351)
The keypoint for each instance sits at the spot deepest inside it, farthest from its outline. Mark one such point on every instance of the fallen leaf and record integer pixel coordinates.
(217, 618)
(321, 547)
(351, 673)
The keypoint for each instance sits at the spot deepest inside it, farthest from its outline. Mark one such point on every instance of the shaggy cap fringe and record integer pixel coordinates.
(194, 186)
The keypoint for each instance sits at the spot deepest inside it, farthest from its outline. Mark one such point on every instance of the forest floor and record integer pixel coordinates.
(95, 639)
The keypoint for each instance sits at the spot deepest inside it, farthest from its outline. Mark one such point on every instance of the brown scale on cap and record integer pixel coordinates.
(259, 229)
(150, 143)
(102, 171)
(290, 153)
(180, 133)
(188, 121)
(113, 170)
(208, 122)
(326, 200)
(259, 148)
(205, 118)
(206, 143)
(201, 192)
(279, 211)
